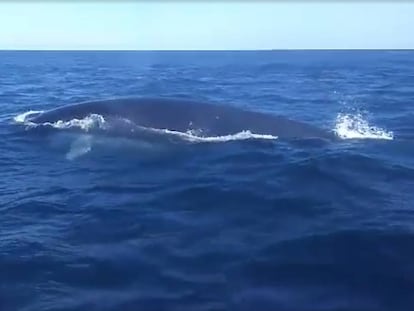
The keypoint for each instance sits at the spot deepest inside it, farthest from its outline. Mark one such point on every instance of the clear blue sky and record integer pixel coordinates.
(171, 25)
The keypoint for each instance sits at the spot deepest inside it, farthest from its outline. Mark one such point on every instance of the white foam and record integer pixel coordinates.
(22, 118)
(89, 122)
(243, 135)
(354, 126)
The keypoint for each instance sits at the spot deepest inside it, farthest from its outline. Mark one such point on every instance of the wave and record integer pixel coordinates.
(354, 126)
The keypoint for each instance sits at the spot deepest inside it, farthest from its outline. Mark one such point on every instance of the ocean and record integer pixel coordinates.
(239, 222)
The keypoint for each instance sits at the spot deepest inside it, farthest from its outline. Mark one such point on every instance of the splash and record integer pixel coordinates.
(354, 126)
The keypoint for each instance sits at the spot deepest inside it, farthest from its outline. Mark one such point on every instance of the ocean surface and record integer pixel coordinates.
(241, 222)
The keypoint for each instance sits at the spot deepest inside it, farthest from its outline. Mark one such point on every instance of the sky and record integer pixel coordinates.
(206, 25)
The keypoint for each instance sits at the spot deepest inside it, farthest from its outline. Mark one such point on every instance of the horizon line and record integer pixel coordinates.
(204, 50)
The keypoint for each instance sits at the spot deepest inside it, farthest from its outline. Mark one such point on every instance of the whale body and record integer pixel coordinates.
(180, 115)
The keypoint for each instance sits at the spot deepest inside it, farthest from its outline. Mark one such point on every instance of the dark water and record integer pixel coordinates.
(103, 223)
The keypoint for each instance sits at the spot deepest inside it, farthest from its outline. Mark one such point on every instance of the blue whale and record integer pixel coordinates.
(181, 115)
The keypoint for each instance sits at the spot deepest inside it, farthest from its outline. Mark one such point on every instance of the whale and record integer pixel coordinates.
(183, 115)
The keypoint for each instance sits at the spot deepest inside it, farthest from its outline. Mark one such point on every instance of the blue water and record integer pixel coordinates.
(110, 223)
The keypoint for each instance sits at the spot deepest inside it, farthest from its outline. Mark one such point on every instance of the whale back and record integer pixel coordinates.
(183, 115)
